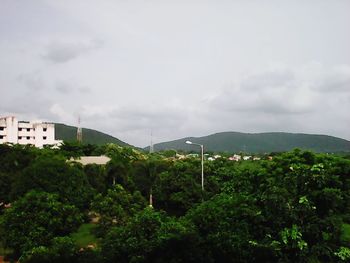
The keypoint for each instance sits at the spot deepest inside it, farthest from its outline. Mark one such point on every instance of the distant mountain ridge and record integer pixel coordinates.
(69, 133)
(259, 142)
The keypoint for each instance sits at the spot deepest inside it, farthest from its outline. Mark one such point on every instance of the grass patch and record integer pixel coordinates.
(84, 236)
(345, 233)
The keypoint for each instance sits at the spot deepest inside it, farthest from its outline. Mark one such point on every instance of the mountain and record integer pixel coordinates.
(259, 143)
(69, 133)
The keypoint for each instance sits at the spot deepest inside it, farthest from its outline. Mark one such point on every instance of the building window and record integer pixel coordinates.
(28, 137)
(44, 129)
(20, 129)
(28, 129)
(1, 137)
(2, 128)
(19, 137)
(44, 137)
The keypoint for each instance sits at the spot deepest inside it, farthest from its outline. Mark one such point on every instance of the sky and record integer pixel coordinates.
(178, 68)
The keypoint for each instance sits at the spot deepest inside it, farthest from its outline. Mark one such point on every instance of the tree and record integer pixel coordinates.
(71, 149)
(15, 158)
(119, 167)
(53, 174)
(145, 172)
(59, 249)
(176, 193)
(5, 188)
(151, 236)
(35, 219)
(116, 207)
(96, 175)
(228, 227)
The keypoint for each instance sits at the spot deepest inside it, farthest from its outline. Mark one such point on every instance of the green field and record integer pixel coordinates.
(84, 236)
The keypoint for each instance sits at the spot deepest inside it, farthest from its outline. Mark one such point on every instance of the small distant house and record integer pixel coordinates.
(193, 155)
(235, 157)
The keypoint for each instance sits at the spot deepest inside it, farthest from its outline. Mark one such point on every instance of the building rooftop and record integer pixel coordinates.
(85, 160)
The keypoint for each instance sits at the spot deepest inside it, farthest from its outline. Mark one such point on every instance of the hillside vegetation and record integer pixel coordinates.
(69, 133)
(260, 143)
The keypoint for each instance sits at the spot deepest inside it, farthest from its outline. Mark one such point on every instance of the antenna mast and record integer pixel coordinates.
(151, 147)
(79, 132)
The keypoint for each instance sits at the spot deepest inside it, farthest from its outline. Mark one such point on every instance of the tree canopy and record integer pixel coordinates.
(289, 207)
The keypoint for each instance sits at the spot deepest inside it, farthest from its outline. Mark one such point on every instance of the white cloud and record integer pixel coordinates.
(306, 99)
(61, 114)
(63, 51)
(180, 68)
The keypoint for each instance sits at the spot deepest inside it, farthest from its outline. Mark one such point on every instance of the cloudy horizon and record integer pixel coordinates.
(178, 68)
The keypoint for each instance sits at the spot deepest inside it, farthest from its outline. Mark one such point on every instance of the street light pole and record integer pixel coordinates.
(202, 159)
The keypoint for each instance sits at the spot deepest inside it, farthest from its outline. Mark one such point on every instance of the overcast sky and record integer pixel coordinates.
(179, 68)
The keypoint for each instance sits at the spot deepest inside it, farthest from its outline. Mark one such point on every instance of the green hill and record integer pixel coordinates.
(259, 143)
(69, 133)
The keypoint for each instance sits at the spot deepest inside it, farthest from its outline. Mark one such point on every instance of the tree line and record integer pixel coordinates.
(293, 208)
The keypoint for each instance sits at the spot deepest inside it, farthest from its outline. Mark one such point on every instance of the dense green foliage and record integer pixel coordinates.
(69, 133)
(260, 143)
(54, 175)
(35, 219)
(293, 208)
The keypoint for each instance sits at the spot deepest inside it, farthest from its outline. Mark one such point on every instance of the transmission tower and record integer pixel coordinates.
(79, 132)
(151, 147)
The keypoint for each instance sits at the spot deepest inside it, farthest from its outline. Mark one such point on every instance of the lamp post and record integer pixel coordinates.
(202, 153)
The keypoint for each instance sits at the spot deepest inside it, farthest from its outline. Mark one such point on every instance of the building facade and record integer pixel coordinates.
(38, 134)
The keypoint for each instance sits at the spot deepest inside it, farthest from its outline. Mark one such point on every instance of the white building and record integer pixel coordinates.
(235, 157)
(38, 134)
